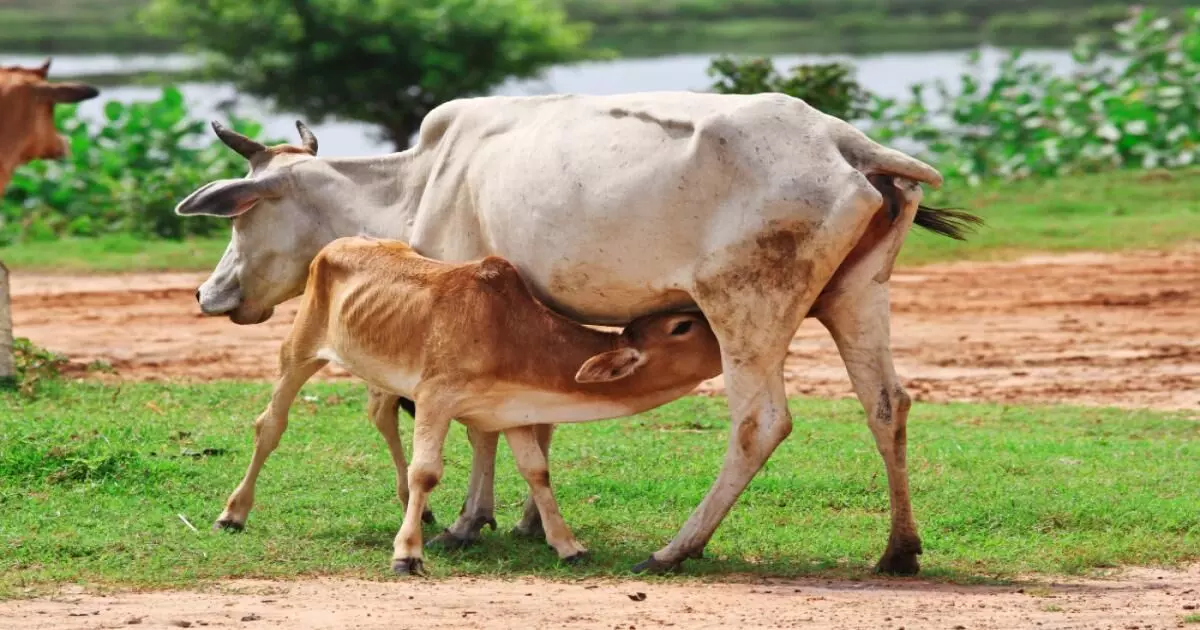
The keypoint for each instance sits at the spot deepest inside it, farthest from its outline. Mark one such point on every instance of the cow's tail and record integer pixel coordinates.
(880, 164)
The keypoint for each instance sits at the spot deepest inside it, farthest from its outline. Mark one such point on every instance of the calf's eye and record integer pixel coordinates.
(681, 328)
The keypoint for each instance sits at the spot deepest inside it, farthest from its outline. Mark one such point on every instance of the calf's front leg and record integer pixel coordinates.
(530, 524)
(531, 460)
(479, 508)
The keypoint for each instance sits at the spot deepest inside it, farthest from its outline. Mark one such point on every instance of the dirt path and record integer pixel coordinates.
(1088, 329)
(1147, 599)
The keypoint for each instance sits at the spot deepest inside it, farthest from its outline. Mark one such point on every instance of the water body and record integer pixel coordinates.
(888, 75)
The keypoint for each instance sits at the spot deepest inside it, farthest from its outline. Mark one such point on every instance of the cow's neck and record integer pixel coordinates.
(378, 196)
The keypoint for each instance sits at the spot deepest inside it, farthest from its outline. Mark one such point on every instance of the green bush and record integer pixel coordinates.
(124, 175)
(35, 366)
(829, 87)
(1030, 121)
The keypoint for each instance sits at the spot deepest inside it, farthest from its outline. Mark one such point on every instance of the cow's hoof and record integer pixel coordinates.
(409, 566)
(229, 525)
(449, 541)
(535, 531)
(898, 564)
(427, 517)
(577, 559)
(654, 566)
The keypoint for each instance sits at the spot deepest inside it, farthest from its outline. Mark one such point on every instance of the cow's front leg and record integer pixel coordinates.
(479, 508)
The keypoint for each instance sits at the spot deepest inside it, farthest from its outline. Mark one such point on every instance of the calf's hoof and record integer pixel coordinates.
(228, 524)
(449, 541)
(900, 558)
(427, 517)
(654, 566)
(409, 566)
(577, 559)
(898, 564)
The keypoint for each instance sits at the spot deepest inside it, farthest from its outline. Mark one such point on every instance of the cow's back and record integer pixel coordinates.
(607, 203)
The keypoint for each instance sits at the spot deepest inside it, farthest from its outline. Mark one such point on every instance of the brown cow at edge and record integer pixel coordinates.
(27, 103)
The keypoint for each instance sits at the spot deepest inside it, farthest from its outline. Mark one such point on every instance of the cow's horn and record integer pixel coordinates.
(306, 134)
(244, 146)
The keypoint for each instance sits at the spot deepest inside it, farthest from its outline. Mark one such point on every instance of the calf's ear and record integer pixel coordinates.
(66, 92)
(613, 365)
(228, 197)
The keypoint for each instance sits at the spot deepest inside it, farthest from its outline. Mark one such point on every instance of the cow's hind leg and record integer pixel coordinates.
(479, 508)
(755, 294)
(760, 421)
(530, 524)
(384, 410)
(531, 460)
(859, 321)
(268, 429)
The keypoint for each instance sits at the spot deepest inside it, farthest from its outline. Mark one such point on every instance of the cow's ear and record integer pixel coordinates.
(65, 92)
(613, 365)
(228, 197)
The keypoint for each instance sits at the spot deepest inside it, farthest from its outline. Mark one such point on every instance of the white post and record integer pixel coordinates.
(8, 368)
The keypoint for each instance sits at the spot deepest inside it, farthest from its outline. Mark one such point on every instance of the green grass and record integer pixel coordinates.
(93, 478)
(1193, 618)
(114, 253)
(1107, 212)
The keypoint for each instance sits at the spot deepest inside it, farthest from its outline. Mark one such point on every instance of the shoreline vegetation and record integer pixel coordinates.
(658, 27)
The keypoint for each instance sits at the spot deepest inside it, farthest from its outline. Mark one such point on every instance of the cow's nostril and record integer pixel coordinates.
(197, 295)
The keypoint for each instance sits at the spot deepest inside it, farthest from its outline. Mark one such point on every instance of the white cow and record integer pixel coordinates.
(757, 210)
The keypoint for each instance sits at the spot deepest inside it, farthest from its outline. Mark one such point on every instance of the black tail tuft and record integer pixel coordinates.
(947, 222)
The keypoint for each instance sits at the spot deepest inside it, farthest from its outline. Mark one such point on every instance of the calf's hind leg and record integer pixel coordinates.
(429, 435)
(384, 410)
(268, 429)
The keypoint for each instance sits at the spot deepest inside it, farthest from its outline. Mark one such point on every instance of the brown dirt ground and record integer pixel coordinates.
(1140, 598)
(1087, 329)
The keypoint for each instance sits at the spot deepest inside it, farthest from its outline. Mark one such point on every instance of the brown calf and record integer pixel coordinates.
(469, 341)
(27, 116)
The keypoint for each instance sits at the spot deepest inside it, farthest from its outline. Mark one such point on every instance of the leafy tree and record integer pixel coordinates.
(386, 62)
